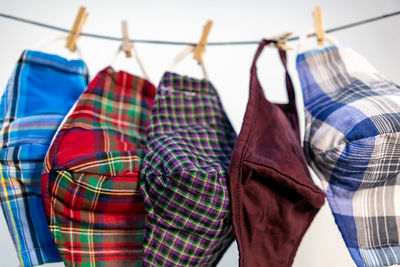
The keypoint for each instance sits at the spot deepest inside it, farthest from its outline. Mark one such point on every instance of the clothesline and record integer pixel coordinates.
(98, 36)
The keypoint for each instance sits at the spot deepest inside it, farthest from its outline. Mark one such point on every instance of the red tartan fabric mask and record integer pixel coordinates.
(273, 197)
(90, 181)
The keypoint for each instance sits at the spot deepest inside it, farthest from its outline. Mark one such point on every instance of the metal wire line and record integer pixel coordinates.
(99, 36)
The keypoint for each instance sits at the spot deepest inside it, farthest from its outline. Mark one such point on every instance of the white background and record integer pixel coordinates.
(228, 66)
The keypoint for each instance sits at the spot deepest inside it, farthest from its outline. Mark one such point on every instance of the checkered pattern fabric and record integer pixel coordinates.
(40, 92)
(184, 175)
(90, 180)
(352, 143)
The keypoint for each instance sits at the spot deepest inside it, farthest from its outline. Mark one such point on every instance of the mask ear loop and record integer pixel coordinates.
(184, 53)
(300, 44)
(136, 56)
(140, 63)
(40, 45)
(332, 40)
(187, 51)
(44, 43)
(203, 68)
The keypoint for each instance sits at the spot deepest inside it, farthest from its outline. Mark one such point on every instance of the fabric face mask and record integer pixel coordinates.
(38, 95)
(352, 143)
(184, 175)
(273, 197)
(90, 181)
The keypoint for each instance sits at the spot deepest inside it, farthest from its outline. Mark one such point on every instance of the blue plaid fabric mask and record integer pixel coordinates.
(352, 142)
(38, 95)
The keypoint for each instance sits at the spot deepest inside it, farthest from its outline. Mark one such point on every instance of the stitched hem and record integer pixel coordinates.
(27, 254)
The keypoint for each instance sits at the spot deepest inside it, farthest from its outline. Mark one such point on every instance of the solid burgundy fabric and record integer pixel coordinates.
(272, 195)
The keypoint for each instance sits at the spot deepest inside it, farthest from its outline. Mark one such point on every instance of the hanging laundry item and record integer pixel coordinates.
(184, 175)
(352, 143)
(90, 180)
(40, 92)
(273, 197)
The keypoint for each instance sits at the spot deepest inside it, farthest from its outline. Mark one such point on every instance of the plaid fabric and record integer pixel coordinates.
(352, 143)
(90, 180)
(40, 92)
(184, 175)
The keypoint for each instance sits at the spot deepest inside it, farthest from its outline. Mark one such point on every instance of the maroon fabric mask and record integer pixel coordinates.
(273, 197)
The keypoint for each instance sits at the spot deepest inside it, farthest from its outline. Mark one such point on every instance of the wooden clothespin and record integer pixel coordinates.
(76, 30)
(319, 28)
(201, 46)
(281, 41)
(126, 44)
